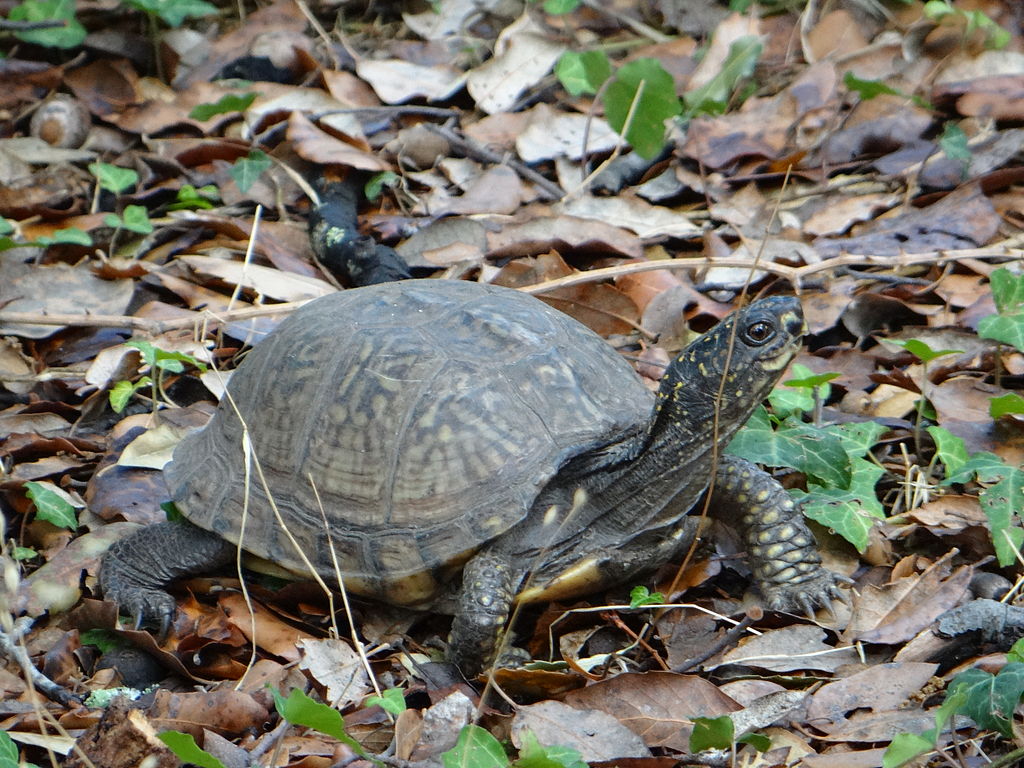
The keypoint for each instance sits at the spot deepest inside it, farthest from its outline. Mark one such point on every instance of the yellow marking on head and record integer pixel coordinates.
(702, 369)
(739, 393)
(551, 515)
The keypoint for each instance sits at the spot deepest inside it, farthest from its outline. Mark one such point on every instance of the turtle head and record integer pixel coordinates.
(733, 366)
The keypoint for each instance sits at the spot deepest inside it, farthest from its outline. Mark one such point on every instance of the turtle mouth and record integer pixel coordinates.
(782, 356)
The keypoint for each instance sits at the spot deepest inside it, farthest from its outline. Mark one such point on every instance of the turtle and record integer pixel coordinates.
(463, 447)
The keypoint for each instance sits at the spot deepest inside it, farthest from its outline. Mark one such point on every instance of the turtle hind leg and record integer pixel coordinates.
(136, 570)
(482, 611)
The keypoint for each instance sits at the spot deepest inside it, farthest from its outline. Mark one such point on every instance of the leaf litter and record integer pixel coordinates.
(872, 159)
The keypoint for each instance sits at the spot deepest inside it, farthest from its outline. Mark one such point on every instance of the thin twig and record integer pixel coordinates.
(473, 150)
(730, 638)
(11, 647)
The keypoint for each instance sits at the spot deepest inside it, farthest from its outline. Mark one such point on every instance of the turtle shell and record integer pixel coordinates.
(399, 428)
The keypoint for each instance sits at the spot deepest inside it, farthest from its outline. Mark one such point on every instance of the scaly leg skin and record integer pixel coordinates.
(782, 551)
(483, 609)
(136, 569)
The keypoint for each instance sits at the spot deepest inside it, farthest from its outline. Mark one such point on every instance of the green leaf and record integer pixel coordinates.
(758, 741)
(641, 596)
(163, 359)
(849, 513)
(922, 351)
(247, 170)
(869, 89)
(69, 36)
(1002, 500)
(299, 709)
(559, 7)
(69, 236)
(991, 699)
(112, 178)
(1005, 405)
(373, 188)
(190, 197)
(23, 553)
(122, 392)
(713, 97)
(391, 700)
(51, 504)
(475, 748)
(174, 12)
(533, 755)
(949, 448)
(813, 451)
(231, 102)
(1007, 326)
(904, 748)
(1016, 652)
(953, 143)
(809, 379)
(8, 751)
(711, 733)
(647, 83)
(104, 639)
(136, 219)
(184, 746)
(583, 72)
(6, 227)
(113, 221)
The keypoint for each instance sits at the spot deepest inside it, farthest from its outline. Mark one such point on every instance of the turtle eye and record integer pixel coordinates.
(760, 332)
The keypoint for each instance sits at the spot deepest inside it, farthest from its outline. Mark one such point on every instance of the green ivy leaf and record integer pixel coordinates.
(112, 178)
(136, 219)
(299, 709)
(391, 701)
(645, 81)
(69, 236)
(475, 748)
(533, 755)
(190, 197)
(711, 733)
(922, 351)
(1002, 500)
(377, 183)
(641, 596)
(231, 102)
(52, 504)
(8, 751)
(23, 553)
(1006, 405)
(69, 36)
(1016, 652)
(713, 97)
(1006, 327)
(184, 746)
(121, 393)
(559, 7)
(813, 451)
(583, 72)
(953, 143)
(904, 748)
(758, 741)
(247, 170)
(174, 12)
(950, 449)
(991, 699)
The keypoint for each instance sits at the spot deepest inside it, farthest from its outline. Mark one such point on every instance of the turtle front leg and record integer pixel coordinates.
(136, 570)
(782, 551)
(482, 610)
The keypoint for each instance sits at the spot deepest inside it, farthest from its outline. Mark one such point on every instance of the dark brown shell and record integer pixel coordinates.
(427, 414)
